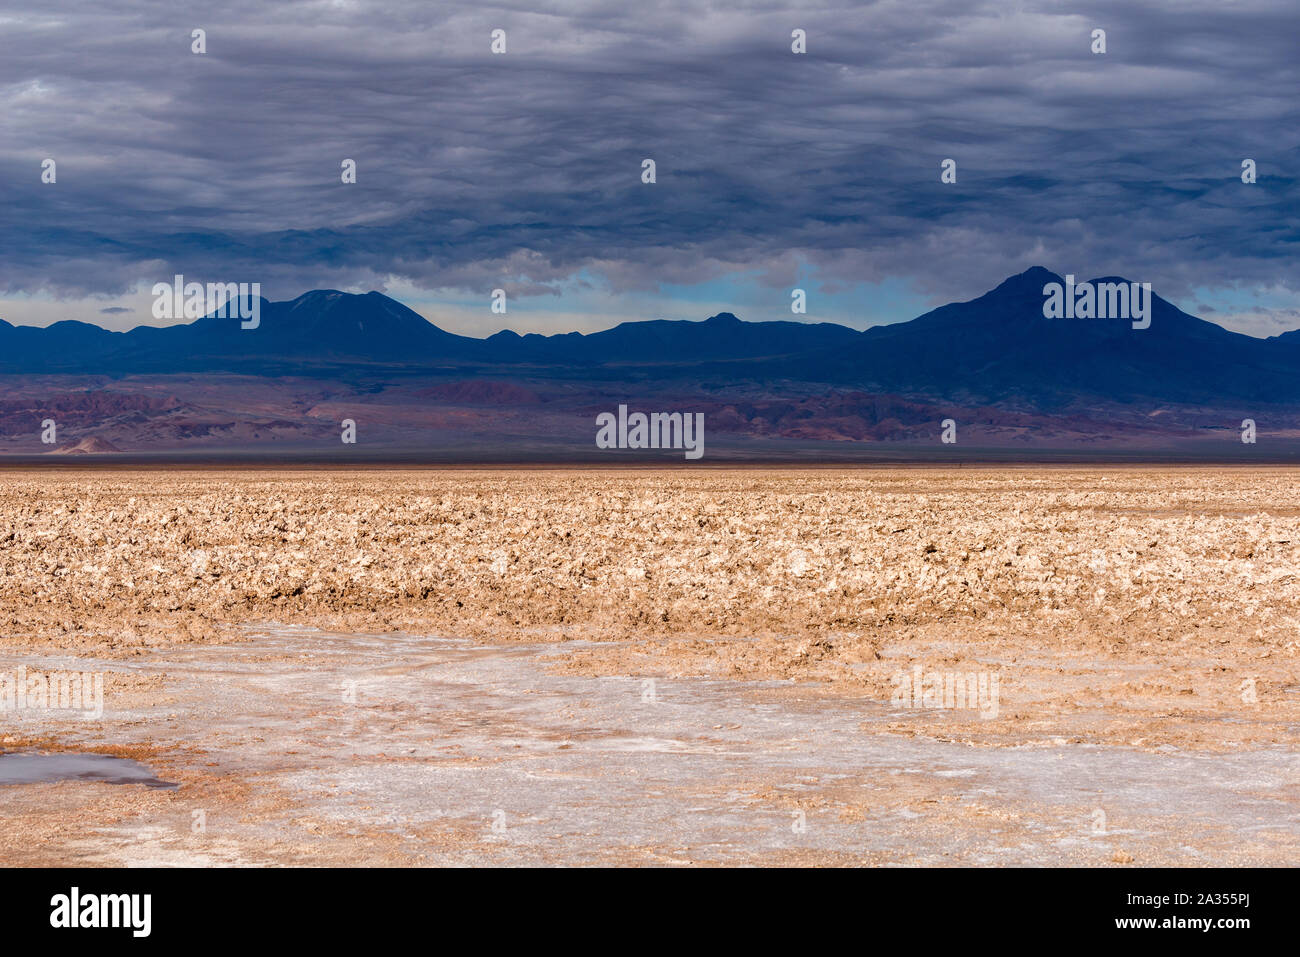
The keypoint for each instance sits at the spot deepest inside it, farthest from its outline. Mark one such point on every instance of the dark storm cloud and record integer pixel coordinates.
(523, 170)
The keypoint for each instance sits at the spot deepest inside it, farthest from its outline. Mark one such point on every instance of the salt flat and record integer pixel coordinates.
(660, 666)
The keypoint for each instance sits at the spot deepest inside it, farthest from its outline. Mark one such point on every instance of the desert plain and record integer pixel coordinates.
(685, 666)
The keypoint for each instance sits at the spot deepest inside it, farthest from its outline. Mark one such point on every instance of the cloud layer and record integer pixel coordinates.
(523, 170)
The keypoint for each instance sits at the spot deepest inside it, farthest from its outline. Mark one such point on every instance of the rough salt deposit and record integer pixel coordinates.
(1138, 625)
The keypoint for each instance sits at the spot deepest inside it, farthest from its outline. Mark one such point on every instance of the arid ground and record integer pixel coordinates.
(659, 666)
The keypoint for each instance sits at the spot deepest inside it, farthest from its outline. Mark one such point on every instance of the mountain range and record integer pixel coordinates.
(1017, 377)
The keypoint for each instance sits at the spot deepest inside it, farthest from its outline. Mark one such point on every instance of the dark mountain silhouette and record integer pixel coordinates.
(997, 348)
(1000, 347)
(658, 341)
(322, 328)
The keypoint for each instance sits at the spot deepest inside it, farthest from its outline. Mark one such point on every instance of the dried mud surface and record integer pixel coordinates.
(1140, 611)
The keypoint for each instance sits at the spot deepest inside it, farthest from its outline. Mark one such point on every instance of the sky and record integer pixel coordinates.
(522, 170)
